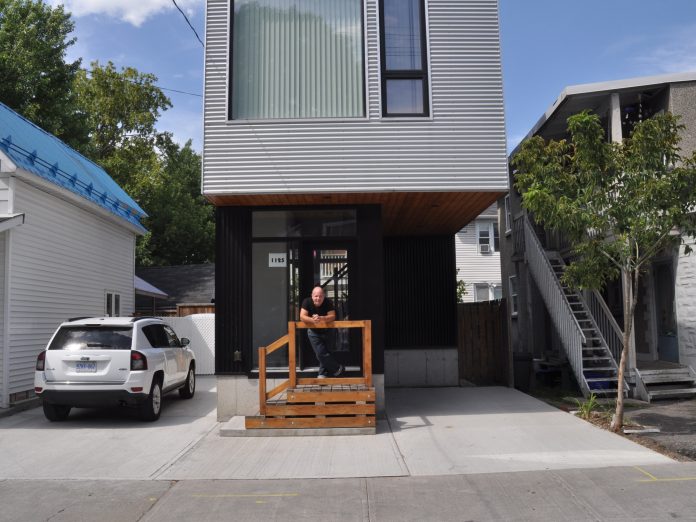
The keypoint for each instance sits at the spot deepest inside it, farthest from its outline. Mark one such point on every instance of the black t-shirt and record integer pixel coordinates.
(326, 307)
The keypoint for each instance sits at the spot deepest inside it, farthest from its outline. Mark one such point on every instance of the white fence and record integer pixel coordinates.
(200, 329)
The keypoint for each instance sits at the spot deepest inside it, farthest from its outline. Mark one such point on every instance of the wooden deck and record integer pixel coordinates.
(347, 402)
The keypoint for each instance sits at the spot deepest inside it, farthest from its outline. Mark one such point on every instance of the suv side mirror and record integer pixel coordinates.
(185, 341)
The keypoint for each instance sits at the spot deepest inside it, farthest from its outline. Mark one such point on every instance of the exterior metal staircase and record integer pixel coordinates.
(588, 353)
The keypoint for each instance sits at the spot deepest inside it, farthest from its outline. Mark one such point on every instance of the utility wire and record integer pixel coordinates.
(188, 22)
(155, 85)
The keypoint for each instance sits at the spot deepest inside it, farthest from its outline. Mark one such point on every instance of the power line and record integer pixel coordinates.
(155, 85)
(188, 22)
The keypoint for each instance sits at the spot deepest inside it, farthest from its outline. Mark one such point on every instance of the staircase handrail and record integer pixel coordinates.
(557, 303)
(538, 250)
(610, 329)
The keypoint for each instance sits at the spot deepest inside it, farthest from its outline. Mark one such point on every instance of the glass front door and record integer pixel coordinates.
(330, 266)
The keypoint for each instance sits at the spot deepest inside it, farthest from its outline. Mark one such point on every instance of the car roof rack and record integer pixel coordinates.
(79, 318)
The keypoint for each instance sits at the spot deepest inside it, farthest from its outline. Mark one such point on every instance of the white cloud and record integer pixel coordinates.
(675, 52)
(132, 11)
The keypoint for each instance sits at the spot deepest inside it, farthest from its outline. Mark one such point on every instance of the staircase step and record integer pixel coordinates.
(599, 368)
(597, 358)
(287, 410)
(672, 393)
(309, 422)
(602, 379)
(668, 378)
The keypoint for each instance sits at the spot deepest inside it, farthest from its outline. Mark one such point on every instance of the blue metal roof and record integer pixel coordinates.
(35, 150)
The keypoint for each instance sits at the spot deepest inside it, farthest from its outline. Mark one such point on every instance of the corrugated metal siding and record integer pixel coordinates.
(63, 259)
(473, 266)
(461, 148)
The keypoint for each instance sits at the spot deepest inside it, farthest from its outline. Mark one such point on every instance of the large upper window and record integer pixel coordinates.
(296, 59)
(404, 58)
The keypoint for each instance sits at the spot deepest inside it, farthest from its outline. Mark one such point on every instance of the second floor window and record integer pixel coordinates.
(488, 237)
(404, 58)
(297, 59)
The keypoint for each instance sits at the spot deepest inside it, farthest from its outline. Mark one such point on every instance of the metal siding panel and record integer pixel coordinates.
(461, 148)
(63, 258)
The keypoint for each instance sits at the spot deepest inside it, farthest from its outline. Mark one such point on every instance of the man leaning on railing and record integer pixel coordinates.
(320, 310)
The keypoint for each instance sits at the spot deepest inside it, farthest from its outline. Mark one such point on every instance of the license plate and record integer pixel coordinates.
(86, 367)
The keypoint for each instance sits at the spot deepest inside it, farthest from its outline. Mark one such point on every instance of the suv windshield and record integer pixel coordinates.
(93, 338)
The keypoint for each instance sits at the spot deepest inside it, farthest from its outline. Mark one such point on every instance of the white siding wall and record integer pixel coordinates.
(63, 258)
(462, 147)
(3, 379)
(473, 266)
(4, 194)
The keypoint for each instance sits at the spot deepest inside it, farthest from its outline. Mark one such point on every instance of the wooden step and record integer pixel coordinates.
(286, 410)
(602, 379)
(329, 394)
(673, 393)
(309, 422)
(668, 378)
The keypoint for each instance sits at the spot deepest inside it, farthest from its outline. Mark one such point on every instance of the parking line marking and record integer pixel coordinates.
(247, 495)
(653, 478)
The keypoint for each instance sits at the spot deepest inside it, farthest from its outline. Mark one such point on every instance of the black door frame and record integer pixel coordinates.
(306, 356)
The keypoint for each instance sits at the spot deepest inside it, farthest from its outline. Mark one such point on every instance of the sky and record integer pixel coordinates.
(547, 45)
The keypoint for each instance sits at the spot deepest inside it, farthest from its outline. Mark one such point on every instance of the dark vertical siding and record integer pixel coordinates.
(233, 289)
(370, 279)
(420, 291)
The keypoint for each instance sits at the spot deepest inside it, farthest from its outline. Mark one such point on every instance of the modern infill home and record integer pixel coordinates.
(663, 345)
(346, 142)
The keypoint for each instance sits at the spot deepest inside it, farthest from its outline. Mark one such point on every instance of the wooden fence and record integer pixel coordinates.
(484, 356)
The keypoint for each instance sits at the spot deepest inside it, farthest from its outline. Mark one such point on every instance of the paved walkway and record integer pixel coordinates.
(430, 431)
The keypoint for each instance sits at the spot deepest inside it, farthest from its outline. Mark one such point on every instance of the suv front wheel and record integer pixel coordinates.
(152, 407)
(189, 388)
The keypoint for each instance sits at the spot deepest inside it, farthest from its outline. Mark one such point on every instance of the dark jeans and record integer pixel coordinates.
(327, 364)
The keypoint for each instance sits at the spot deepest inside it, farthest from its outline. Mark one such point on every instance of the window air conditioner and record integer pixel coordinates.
(485, 249)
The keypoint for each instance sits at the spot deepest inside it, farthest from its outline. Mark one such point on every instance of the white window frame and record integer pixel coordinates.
(488, 292)
(508, 215)
(489, 226)
(112, 303)
(490, 288)
(513, 295)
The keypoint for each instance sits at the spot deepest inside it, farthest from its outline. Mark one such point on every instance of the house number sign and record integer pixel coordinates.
(277, 260)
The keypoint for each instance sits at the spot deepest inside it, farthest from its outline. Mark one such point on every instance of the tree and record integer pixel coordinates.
(181, 223)
(37, 82)
(619, 204)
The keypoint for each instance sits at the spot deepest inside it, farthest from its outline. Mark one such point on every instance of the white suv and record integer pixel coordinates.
(109, 361)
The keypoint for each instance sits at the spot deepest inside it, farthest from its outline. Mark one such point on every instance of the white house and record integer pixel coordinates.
(478, 257)
(67, 246)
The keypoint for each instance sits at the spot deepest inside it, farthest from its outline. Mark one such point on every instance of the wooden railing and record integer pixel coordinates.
(290, 339)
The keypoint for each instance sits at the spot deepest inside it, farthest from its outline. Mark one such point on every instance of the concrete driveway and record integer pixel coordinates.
(429, 431)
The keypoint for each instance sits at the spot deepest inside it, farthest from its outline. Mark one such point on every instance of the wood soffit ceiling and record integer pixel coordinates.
(403, 213)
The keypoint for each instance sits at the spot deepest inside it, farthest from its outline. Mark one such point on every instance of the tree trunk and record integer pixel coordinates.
(629, 303)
